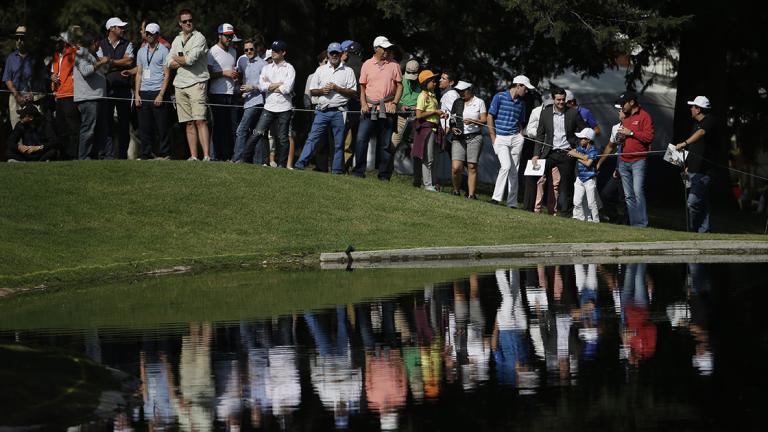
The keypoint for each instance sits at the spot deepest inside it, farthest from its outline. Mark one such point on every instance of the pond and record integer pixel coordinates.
(580, 347)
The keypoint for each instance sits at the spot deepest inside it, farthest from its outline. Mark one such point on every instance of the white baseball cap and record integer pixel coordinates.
(569, 96)
(587, 133)
(153, 28)
(115, 22)
(522, 79)
(701, 102)
(382, 41)
(462, 85)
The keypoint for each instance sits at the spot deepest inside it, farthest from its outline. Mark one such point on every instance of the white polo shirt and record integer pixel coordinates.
(342, 76)
(472, 111)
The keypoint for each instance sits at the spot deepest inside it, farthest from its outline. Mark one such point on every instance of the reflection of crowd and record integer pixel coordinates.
(525, 329)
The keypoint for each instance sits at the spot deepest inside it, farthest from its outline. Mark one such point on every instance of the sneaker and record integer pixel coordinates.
(193, 159)
(474, 197)
(494, 202)
(273, 164)
(455, 193)
(207, 159)
(430, 189)
(163, 158)
(13, 160)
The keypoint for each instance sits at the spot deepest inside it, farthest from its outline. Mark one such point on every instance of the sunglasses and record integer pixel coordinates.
(229, 36)
(20, 38)
(189, 21)
(249, 49)
(151, 34)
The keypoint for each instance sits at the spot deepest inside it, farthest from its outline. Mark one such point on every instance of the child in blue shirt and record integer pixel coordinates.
(586, 183)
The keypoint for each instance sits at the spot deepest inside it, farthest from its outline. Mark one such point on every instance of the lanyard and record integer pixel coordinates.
(149, 59)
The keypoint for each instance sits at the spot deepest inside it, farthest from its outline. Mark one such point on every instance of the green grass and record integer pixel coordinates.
(90, 221)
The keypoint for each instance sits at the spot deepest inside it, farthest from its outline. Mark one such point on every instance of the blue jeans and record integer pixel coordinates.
(244, 146)
(633, 180)
(334, 119)
(93, 127)
(383, 128)
(283, 128)
(698, 203)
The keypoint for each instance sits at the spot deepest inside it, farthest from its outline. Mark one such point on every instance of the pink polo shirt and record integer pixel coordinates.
(380, 79)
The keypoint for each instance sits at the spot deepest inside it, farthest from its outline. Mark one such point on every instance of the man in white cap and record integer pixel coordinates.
(120, 53)
(152, 77)
(223, 71)
(701, 152)
(380, 90)
(584, 112)
(506, 116)
(188, 57)
(17, 75)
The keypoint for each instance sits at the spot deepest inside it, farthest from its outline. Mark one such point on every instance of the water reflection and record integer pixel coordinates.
(514, 333)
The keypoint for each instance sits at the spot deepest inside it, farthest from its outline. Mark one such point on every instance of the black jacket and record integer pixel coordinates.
(546, 130)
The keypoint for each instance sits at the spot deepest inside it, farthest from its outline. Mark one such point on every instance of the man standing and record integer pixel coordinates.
(151, 83)
(700, 145)
(380, 90)
(63, 86)
(120, 54)
(18, 75)
(90, 85)
(637, 128)
(449, 94)
(188, 58)
(221, 66)
(351, 57)
(555, 137)
(506, 116)
(277, 80)
(333, 84)
(249, 67)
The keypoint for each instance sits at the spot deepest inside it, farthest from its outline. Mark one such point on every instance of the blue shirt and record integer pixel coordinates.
(154, 63)
(586, 114)
(250, 69)
(587, 172)
(508, 114)
(18, 70)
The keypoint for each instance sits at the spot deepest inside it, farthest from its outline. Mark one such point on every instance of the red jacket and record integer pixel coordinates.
(641, 125)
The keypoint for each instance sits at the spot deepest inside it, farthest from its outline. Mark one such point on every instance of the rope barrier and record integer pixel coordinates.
(410, 113)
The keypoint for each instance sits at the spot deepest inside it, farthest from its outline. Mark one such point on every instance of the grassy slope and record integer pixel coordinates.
(74, 221)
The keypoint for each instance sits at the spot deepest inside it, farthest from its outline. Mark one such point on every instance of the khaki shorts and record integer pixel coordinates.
(467, 148)
(191, 102)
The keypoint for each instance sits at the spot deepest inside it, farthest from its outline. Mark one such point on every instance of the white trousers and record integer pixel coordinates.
(580, 210)
(508, 149)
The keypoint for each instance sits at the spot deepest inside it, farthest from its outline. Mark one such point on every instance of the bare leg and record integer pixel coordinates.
(291, 149)
(472, 179)
(202, 132)
(192, 138)
(457, 168)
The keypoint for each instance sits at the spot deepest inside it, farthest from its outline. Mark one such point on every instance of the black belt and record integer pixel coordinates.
(330, 109)
(560, 150)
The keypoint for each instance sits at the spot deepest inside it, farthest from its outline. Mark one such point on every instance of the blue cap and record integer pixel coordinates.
(334, 47)
(279, 45)
(350, 45)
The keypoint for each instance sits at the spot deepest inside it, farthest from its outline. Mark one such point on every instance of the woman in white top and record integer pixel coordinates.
(470, 113)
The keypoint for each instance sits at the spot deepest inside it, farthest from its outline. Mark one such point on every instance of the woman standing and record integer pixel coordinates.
(427, 123)
(470, 113)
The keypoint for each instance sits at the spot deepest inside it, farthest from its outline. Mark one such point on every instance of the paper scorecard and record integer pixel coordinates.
(675, 156)
(538, 170)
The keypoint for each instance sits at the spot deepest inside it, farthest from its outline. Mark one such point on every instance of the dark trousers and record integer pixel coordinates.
(283, 121)
(121, 103)
(383, 128)
(567, 167)
(42, 155)
(68, 127)
(221, 136)
(153, 126)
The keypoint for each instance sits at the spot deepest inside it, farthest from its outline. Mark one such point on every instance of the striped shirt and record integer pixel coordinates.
(508, 114)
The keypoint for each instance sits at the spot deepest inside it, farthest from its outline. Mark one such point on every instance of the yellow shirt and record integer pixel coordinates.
(428, 102)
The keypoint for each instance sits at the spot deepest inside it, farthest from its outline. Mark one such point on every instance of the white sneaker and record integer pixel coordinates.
(13, 160)
(430, 189)
(193, 159)
(273, 164)
(207, 159)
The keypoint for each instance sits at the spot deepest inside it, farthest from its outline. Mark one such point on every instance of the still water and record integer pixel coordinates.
(577, 347)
